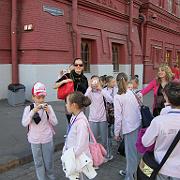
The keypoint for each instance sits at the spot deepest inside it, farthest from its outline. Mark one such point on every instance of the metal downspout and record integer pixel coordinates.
(142, 32)
(75, 28)
(131, 36)
(15, 73)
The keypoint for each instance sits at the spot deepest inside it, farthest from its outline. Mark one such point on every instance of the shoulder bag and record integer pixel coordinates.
(65, 89)
(149, 167)
(97, 150)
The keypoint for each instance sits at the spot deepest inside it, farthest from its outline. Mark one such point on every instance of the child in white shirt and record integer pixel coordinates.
(127, 122)
(162, 132)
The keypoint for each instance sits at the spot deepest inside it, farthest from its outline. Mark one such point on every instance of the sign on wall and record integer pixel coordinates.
(53, 10)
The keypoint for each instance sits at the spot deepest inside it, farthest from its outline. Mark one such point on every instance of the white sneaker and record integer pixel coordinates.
(96, 167)
(122, 173)
(65, 136)
(108, 159)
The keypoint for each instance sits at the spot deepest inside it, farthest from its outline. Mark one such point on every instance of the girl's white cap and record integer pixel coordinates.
(39, 89)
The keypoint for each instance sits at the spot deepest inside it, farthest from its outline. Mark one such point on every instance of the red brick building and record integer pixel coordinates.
(40, 37)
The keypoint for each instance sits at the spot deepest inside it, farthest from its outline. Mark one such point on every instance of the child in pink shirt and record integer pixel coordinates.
(39, 119)
(97, 114)
(78, 133)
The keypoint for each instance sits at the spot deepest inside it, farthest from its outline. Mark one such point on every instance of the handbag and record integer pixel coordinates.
(139, 146)
(121, 148)
(97, 150)
(65, 89)
(109, 107)
(146, 114)
(149, 167)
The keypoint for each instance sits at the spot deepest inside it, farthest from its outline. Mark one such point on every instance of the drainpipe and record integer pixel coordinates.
(77, 43)
(15, 74)
(143, 17)
(131, 36)
(16, 91)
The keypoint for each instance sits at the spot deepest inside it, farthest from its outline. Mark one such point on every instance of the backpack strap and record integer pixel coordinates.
(47, 115)
(31, 108)
(105, 105)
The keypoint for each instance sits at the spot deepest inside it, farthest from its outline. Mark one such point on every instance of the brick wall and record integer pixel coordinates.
(5, 24)
(50, 41)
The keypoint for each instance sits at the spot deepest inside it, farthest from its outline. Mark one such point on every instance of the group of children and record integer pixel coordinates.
(105, 95)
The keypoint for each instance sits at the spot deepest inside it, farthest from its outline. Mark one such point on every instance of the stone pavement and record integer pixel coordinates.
(108, 171)
(14, 148)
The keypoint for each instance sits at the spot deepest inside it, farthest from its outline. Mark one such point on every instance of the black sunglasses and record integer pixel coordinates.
(80, 65)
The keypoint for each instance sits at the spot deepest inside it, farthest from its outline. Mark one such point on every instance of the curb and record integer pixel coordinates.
(23, 160)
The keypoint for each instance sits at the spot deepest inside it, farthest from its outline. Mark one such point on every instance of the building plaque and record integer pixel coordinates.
(53, 10)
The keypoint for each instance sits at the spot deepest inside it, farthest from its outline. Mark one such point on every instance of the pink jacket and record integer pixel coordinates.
(97, 112)
(78, 137)
(126, 112)
(43, 132)
(151, 86)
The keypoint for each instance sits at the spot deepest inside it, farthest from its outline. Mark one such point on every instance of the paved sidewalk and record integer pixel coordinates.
(108, 171)
(15, 149)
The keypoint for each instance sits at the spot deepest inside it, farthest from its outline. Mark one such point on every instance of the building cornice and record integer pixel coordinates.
(159, 10)
(102, 8)
(162, 20)
(160, 27)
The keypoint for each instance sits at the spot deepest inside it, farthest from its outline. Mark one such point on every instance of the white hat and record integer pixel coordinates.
(39, 89)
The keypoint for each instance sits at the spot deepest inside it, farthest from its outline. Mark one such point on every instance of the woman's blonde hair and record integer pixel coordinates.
(122, 80)
(167, 69)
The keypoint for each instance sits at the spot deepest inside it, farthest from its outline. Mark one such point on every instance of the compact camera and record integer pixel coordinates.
(94, 82)
(42, 106)
(36, 118)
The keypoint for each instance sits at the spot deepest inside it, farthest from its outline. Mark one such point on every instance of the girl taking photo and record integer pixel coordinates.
(40, 118)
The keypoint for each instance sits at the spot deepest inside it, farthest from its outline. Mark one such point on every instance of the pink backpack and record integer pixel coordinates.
(139, 146)
(98, 152)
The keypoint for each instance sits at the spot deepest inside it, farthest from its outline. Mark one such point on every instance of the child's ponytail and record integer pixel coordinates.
(122, 80)
(86, 101)
(78, 98)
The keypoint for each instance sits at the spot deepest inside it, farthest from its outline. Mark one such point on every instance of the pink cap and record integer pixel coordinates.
(39, 89)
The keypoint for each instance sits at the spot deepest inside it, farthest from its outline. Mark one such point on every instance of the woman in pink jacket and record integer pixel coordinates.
(164, 76)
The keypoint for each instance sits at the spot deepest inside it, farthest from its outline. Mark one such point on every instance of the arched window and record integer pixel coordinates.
(170, 5)
(156, 55)
(168, 57)
(178, 9)
(178, 58)
(115, 57)
(86, 54)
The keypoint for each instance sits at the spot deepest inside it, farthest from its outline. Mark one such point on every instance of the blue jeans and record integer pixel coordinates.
(100, 129)
(43, 160)
(132, 156)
